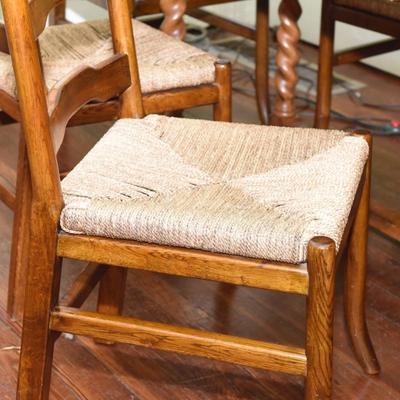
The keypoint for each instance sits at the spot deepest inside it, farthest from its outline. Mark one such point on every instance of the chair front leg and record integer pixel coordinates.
(223, 80)
(42, 290)
(319, 341)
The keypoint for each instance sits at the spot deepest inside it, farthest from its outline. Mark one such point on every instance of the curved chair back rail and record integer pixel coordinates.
(94, 83)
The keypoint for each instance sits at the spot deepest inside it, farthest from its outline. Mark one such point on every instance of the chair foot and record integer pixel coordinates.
(360, 339)
(354, 305)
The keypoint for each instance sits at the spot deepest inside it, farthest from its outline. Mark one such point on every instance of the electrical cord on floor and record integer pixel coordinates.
(195, 33)
(358, 98)
(377, 126)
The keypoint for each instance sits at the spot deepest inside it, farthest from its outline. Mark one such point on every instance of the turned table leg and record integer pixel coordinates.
(284, 112)
(173, 23)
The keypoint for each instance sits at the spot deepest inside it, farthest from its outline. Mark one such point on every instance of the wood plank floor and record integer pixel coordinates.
(84, 370)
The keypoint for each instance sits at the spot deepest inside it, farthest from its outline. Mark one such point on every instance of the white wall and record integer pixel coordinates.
(81, 10)
(346, 35)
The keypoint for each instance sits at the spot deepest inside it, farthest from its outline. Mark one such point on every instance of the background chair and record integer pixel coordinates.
(239, 256)
(381, 16)
(174, 76)
(173, 25)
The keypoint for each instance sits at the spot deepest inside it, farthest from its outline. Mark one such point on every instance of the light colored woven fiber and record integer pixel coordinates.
(247, 190)
(164, 62)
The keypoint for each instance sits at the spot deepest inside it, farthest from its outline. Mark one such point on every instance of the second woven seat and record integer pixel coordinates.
(164, 62)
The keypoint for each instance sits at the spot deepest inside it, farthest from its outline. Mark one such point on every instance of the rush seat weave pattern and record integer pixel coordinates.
(164, 62)
(239, 189)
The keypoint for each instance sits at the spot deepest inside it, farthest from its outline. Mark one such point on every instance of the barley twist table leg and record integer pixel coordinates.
(173, 23)
(288, 36)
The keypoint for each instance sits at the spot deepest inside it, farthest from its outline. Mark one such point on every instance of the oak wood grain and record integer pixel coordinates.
(186, 262)
(319, 342)
(181, 340)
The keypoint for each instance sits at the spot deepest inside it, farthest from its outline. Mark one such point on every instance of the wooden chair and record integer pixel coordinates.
(217, 201)
(381, 16)
(174, 76)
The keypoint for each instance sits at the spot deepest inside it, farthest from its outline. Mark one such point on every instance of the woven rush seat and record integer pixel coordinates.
(164, 62)
(385, 8)
(238, 189)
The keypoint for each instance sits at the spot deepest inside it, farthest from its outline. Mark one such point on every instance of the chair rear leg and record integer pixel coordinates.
(42, 290)
(325, 71)
(355, 281)
(20, 238)
(223, 79)
(262, 61)
(223, 305)
(112, 293)
(319, 342)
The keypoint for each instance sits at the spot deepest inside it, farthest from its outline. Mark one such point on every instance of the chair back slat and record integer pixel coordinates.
(100, 83)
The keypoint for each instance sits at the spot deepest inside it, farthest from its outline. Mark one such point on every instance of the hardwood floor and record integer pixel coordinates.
(85, 370)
